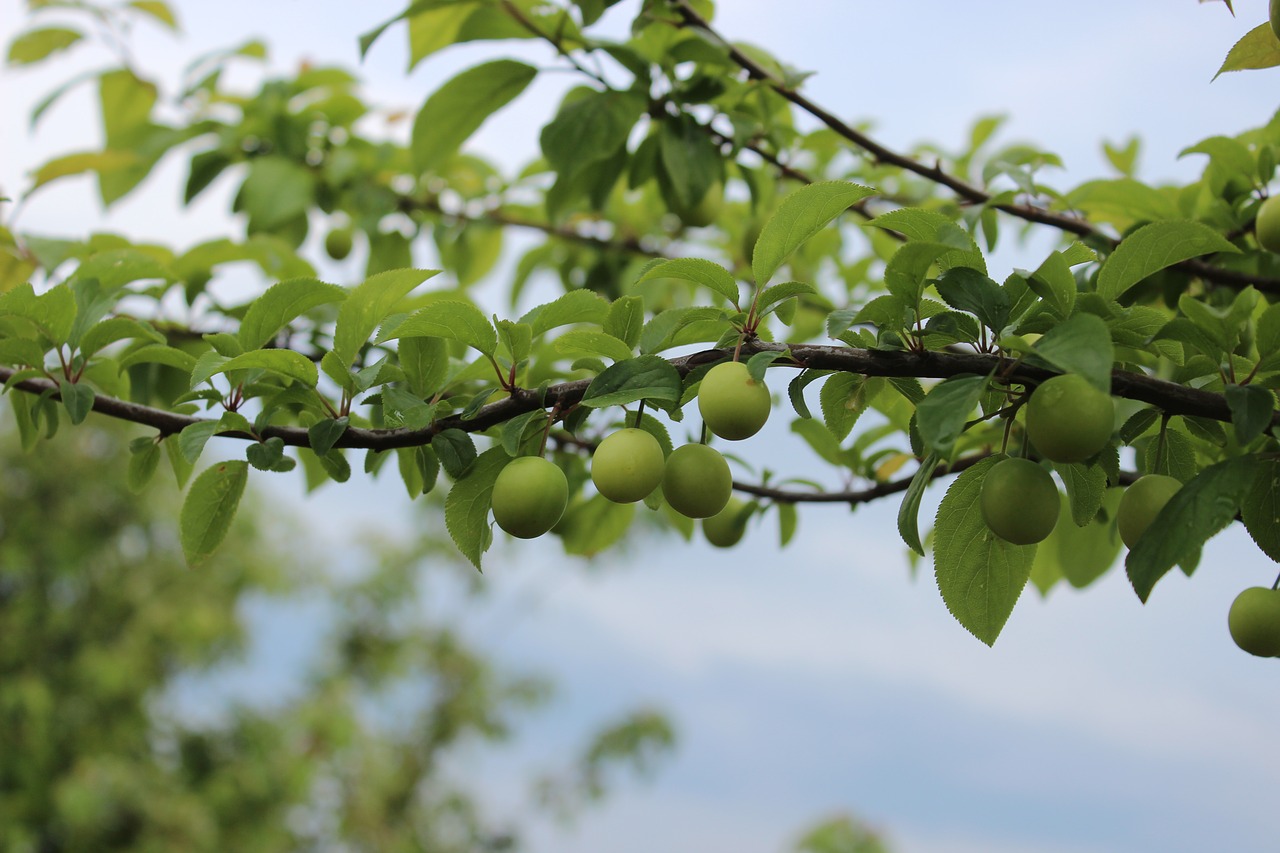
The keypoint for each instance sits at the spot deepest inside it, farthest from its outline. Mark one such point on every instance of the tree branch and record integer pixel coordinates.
(1171, 397)
(968, 192)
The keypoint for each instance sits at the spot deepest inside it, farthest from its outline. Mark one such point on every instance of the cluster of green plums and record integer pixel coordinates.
(531, 492)
(1068, 420)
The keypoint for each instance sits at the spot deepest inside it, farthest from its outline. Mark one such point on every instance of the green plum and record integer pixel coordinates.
(1068, 420)
(733, 404)
(1267, 226)
(1254, 621)
(338, 243)
(727, 527)
(529, 496)
(1141, 504)
(697, 481)
(627, 465)
(1019, 501)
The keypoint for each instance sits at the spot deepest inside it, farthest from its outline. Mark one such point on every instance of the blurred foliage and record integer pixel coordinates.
(102, 620)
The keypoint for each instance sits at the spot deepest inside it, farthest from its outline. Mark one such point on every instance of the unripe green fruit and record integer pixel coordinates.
(1019, 501)
(1267, 226)
(733, 405)
(1254, 621)
(726, 528)
(529, 496)
(1275, 17)
(338, 243)
(1141, 504)
(1068, 420)
(627, 465)
(697, 481)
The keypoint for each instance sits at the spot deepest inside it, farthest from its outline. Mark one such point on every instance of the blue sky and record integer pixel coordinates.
(823, 678)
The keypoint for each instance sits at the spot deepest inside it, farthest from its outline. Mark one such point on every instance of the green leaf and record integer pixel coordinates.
(276, 191)
(706, 273)
(576, 306)
(52, 312)
(915, 223)
(1201, 508)
(843, 399)
(1154, 247)
(78, 400)
(579, 342)
(1081, 554)
(689, 162)
(400, 409)
(646, 377)
(451, 320)
(778, 293)
(466, 509)
(906, 273)
(35, 45)
(590, 126)
(979, 574)
(758, 364)
(1260, 510)
(1086, 485)
(324, 434)
(800, 216)
(170, 356)
(1054, 283)
(144, 457)
(820, 439)
(1258, 49)
(795, 390)
(455, 450)
(114, 329)
(1251, 409)
(945, 410)
(281, 304)
(368, 305)
(101, 162)
(269, 455)
(425, 362)
(1080, 345)
(788, 521)
(625, 320)
(209, 508)
(194, 437)
(909, 511)
(968, 290)
(458, 108)
(592, 525)
(156, 9)
(287, 363)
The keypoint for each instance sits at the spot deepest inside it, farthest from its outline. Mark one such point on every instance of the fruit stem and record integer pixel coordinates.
(546, 430)
(705, 432)
(1276, 585)
(639, 412)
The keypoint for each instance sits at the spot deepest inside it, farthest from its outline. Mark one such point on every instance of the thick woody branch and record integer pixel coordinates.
(963, 189)
(1171, 397)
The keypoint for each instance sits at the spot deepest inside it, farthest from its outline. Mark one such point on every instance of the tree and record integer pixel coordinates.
(1159, 296)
